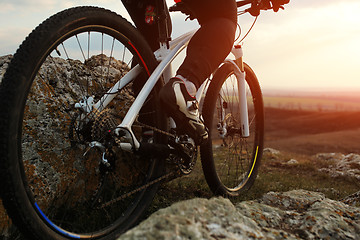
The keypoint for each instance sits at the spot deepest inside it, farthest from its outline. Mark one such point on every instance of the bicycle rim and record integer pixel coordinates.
(231, 160)
(69, 185)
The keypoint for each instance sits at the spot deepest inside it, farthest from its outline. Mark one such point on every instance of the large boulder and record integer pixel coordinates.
(297, 214)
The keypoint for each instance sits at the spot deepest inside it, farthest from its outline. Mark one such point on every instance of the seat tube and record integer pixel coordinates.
(160, 54)
(168, 72)
(240, 76)
(164, 36)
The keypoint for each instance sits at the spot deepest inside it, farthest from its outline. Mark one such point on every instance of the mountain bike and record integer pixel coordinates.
(84, 148)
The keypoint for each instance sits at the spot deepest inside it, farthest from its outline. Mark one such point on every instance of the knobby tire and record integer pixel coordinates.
(52, 185)
(230, 163)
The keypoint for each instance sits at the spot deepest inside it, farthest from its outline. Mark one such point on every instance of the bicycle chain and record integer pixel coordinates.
(126, 195)
(156, 129)
(143, 187)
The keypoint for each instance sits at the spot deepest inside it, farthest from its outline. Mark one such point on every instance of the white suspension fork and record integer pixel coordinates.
(240, 76)
(244, 117)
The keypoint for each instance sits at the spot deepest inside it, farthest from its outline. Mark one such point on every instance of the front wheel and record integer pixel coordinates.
(230, 161)
(54, 186)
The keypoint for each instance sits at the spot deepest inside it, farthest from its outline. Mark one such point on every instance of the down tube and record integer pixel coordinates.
(147, 88)
(110, 95)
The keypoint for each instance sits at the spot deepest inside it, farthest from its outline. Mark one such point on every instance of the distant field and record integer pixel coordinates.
(312, 132)
(312, 103)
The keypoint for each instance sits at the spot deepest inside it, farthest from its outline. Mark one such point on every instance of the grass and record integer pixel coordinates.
(274, 175)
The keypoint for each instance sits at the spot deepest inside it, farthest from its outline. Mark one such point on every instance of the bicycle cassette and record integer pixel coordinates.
(104, 123)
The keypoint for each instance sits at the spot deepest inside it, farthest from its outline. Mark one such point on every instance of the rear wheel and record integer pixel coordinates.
(230, 161)
(54, 185)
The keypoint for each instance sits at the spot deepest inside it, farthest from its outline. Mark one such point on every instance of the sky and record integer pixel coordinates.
(309, 46)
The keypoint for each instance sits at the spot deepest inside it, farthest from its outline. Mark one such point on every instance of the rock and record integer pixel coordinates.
(348, 166)
(353, 199)
(50, 170)
(292, 162)
(297, 214)
(4, 63)
(271, 151)
(330, 156)
(216, 218)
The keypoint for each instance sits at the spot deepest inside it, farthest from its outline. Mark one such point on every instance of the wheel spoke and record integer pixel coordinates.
(69, 182)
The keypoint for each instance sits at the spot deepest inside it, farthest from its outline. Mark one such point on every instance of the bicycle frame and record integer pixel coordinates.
(165, 55)
(62, 133)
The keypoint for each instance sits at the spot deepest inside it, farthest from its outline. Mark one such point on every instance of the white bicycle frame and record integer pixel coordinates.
(166, 56)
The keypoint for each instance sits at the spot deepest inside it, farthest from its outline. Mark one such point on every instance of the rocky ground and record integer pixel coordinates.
(342, 165)
(4, 63)
(296, 214)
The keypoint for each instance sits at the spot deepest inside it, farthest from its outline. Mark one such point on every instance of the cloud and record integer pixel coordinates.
(11, 38)
(19, 17)
(302, 28)
(317, 4)
(17, 6)
(13, 5)
(307, 46)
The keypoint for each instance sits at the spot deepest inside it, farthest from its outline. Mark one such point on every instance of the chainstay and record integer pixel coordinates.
(156, 129)
(143, 187)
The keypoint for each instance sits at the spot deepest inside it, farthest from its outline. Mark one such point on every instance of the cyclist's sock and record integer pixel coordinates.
(190, 86)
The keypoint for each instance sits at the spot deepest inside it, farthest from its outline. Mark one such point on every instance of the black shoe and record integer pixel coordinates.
(184, 109)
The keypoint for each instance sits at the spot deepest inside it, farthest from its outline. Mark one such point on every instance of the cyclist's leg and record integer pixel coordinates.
(213, 41)
(207, 49)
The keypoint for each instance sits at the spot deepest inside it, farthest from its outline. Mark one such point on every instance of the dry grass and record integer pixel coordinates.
(275, 174)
